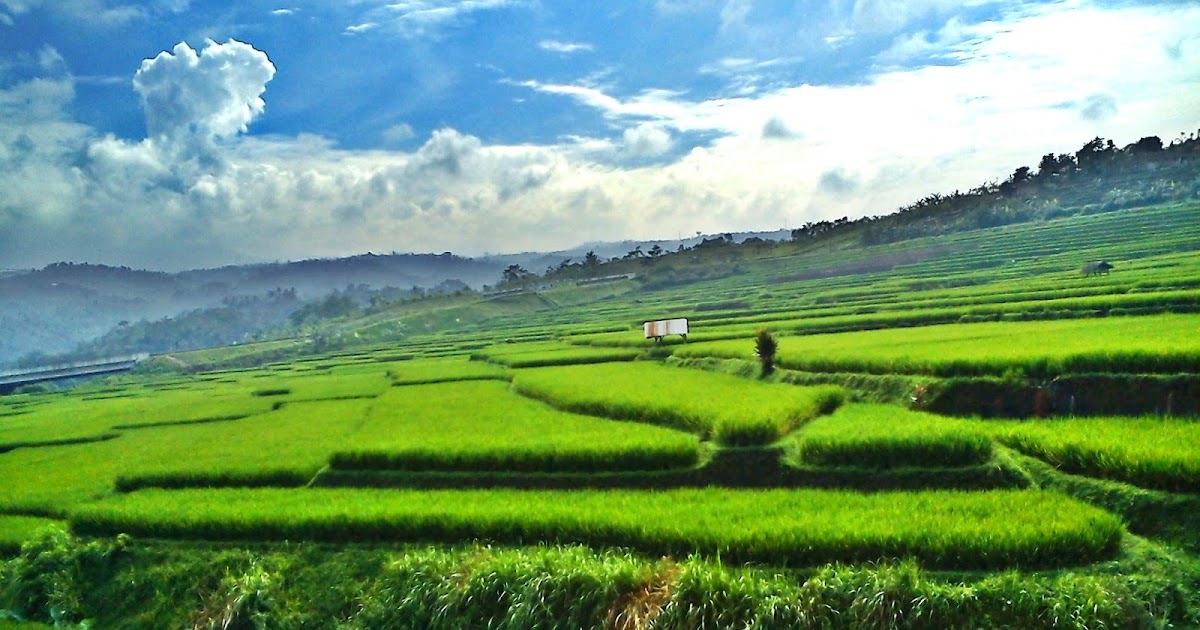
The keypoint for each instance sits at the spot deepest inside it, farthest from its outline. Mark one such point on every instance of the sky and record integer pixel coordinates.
(175, 134)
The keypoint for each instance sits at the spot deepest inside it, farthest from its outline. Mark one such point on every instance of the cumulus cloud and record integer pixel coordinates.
(647, 141)
(447, 150)
(213, 93)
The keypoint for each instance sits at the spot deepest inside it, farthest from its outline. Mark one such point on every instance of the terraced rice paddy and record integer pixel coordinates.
(885, 436)
(64, 419)
(734, 411)
(973, 529)
(1044, 349)
(1149, 452)
(553, 353)
(423, 371)
(283, 447)
(429, 427)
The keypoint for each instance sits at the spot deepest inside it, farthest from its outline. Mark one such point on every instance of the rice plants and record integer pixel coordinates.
(480, 425)
(284, 447)
(422, 371)
(1151, 344)
(67, 418)
(965, 530)
(317, 387)
(550, 586)
(887, 436)
(551, 353)
(736, 411)
(15, 530)
(1149, 452)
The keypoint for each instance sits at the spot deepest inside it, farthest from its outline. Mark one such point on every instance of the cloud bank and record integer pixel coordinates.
(203, 189)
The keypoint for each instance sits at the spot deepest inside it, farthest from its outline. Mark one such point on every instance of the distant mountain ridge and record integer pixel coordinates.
(538, 261)
(54, 309)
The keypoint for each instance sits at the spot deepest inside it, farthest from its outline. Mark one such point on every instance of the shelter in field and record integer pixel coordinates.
(1098, 268)
(656, 330)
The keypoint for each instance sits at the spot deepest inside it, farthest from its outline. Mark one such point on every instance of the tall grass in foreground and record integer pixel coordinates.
(1149, 452)
(888, 436)
(296, 587)
(737, 412)
(966, 530)
(481, 425)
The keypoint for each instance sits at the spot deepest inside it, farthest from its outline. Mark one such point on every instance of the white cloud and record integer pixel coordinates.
(419, 18)
(565, 48)
(447, 150)
(733, 14)
(398, 134)
(283, 12)
(94, 12)
(915, 46)
(685, 6)
(214, 93)
(36, 100)
(889, 16)
(647, 141)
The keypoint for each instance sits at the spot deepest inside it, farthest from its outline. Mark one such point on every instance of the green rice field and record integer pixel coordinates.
(973, 529)
(528, 459)
(552, 353)
(884, 436)
(425, 427)
(421, 371)
(1148, 452)
(1155, 344)
(734, 411)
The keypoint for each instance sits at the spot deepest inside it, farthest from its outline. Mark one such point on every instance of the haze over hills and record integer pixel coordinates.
(69, 310)
(54, 309)
(51, 311)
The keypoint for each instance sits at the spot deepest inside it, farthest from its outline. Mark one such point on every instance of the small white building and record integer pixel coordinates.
(658, 329)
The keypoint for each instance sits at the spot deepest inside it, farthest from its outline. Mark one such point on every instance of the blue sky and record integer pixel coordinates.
(175, 133)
